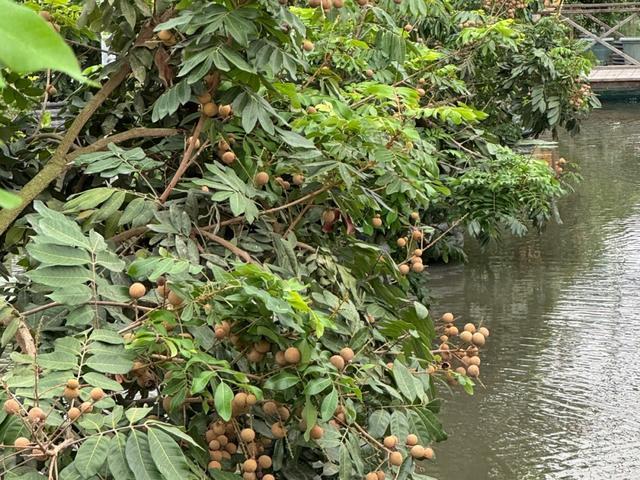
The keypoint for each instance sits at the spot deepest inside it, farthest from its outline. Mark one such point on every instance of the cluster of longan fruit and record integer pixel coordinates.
(580, 96)
(167, 37)
(212, 109)
(471, 24)
(559, 166)
(50, 20)
(465, 352)
(138, 290)
(413, 244)
(396, 458)
(329, 4)
(509, 6)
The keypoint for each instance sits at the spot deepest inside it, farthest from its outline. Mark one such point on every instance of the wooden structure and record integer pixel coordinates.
(606, 78)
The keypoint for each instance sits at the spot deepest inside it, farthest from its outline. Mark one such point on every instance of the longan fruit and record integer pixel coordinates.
(307, 45)
(316, 432)
(251, 400)
(452, 331)
(250, 465)
(97, 394)
(280, 360)
(404, 269)
(196, 142)
(347, 353)
(74, 413)
(210, 109)
(311, 110)
(411, 440)
(38, 454)
(270, 408)
(292, 355)
(162, 291)
(447, 317)
(371, 476)
(278, 430)
(328, 217)
(36, 414)
(165, 35)
(337, 361)
(46, 15)
(484, 331)
(395, 459)
(214, 444)
(298, 179)
(417, 267)
(86, 407)
(283, 413)
(220, 333)
(421, 92)
(261, 179)
(401, 242)
(70, 393)
(264, 461)
(12, 407)
(51, 90)
(417, 451)
(380, 474)
(249, 476)
(231, 448)
(73, 383)
(417, 252)
(466, 336)
(21, 443)
(174, 299)
(428, 453)
(254, 356)
(473, 371)
(478, 339)
(215, 465)
(229, 157)
(136, 290)
(470, 327)
(391, 441)
(248, 435)
(224, 110)
(408, 27)
(417, 235)
(376, 222)
(461, 370)
(473, 361)
(222, 440)
(215, 455)
(444, 338)
(262, 346)
(415, 216)
(240, 400)
(268, 476)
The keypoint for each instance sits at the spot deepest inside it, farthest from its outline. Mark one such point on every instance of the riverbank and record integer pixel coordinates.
(562, 307)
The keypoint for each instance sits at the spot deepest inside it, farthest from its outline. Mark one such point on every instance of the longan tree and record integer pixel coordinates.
(216, 269)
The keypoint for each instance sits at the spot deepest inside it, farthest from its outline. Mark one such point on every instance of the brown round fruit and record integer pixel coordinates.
(270, 408)
(466, 336)
(292, 355)
(21, 443)
(174, 299)
(224, 111)
(417, 235)
(137, 290)
(417, 267)
(447, 317)
(215, 465)
(283, 413)
(97, 394)
(86, 407)
(165, 35)
(280, 360)
(380, 474)
(484, 331)
(376, 222)
(307, 45)
(412, 440)
(74, 413)
(473, 371)
(337, 361)
(347, 353)
(478, 339)
(248, 435)
(417, 451)
(395, 459)
(46, 15)
(298, 179)
(268, 476)
(229, 157)
(70, 393)
(12, 407)
(278, 430)
(250, 465)
(470, 327)
(204, 98)
(36, 414)
(264, 461)
(401, 242)
(210, 109)
(261, 179)
(415, 216)
(371, 476)
(404, 269)
(428, 453)
(316, 432)
(391, 441)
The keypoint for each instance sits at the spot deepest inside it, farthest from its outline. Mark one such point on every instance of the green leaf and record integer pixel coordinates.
(329, 405)
(59, 255)
(106, 363)
(58, 228)
(106, 336)
(316, 386)
(404, 380)
(281, 381)
(222, 399)
(57, 276)
(58, 361)
(134, 415)
(167, 455)
(10, 331)
(9, 200)
(117, 459)
(72, 295)
(91, 455)
(110, 261)
(28, 44)
(175, 431)
(98, 380)
(139, 457)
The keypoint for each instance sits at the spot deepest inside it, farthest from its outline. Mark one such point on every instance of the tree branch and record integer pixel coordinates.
(139, 132)
(238, 252)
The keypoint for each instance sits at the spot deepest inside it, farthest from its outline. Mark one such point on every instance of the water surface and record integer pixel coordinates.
(562, 367)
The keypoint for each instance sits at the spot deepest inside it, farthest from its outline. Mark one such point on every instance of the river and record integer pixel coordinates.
(561, 394)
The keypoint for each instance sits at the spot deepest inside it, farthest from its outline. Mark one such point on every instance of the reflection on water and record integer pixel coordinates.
(562, 367)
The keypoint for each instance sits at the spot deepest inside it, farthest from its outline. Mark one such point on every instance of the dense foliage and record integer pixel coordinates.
(215, 269)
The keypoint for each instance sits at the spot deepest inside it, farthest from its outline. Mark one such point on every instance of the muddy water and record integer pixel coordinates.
(562, 368)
